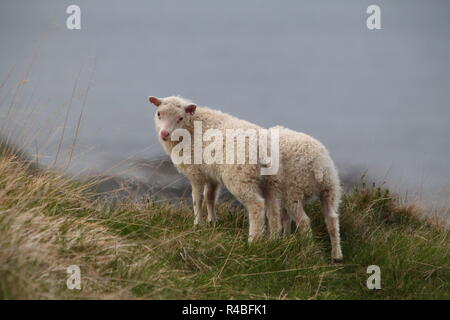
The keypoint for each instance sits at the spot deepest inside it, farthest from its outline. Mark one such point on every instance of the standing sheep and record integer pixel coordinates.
(244, 181)
(307, 170)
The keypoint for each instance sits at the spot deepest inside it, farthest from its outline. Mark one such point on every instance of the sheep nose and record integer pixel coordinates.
(164, 134)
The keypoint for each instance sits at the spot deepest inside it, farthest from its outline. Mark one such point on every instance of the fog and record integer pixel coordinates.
(378, 99)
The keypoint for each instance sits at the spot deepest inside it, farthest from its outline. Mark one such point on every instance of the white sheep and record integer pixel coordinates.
(307, 170)
(244, 181)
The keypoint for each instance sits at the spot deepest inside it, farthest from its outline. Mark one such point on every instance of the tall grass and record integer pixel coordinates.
(150, 249)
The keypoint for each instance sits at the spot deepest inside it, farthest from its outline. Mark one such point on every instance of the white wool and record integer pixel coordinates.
(307, 170)
(244, 181)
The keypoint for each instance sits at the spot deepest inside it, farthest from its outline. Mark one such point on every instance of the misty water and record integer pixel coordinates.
(379, 100)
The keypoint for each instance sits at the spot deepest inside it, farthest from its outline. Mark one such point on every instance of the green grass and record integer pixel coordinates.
(150, 250)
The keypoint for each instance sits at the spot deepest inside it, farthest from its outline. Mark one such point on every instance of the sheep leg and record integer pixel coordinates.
(286, 222)
(197, 202)
(250, 195)
(256, 217)
(332, 222)
(298, 214)
(210, 197)
(303, 222)
(273, 208)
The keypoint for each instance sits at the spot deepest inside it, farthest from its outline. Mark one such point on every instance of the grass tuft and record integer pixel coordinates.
(150, 249)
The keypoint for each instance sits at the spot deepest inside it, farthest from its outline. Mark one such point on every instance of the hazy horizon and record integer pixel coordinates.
(379, 100)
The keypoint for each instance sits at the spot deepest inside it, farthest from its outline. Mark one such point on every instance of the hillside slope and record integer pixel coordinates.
(150, 250)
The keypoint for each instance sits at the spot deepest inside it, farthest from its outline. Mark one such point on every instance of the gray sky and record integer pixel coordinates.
(378, 99)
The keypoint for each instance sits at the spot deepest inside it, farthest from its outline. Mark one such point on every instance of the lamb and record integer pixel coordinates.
(307, 170)
(244, 181)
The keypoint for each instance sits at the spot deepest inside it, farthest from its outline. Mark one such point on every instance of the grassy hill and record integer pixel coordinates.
(150, 249)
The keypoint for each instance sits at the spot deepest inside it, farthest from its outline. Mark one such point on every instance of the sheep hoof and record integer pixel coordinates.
(337, 260)
(197, 225)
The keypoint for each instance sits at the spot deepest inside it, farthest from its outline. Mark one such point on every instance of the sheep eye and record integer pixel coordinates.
(180, 118)
(159, 114)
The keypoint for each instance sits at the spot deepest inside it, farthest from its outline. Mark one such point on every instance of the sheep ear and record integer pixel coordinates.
(190, 108)
(154, 100)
